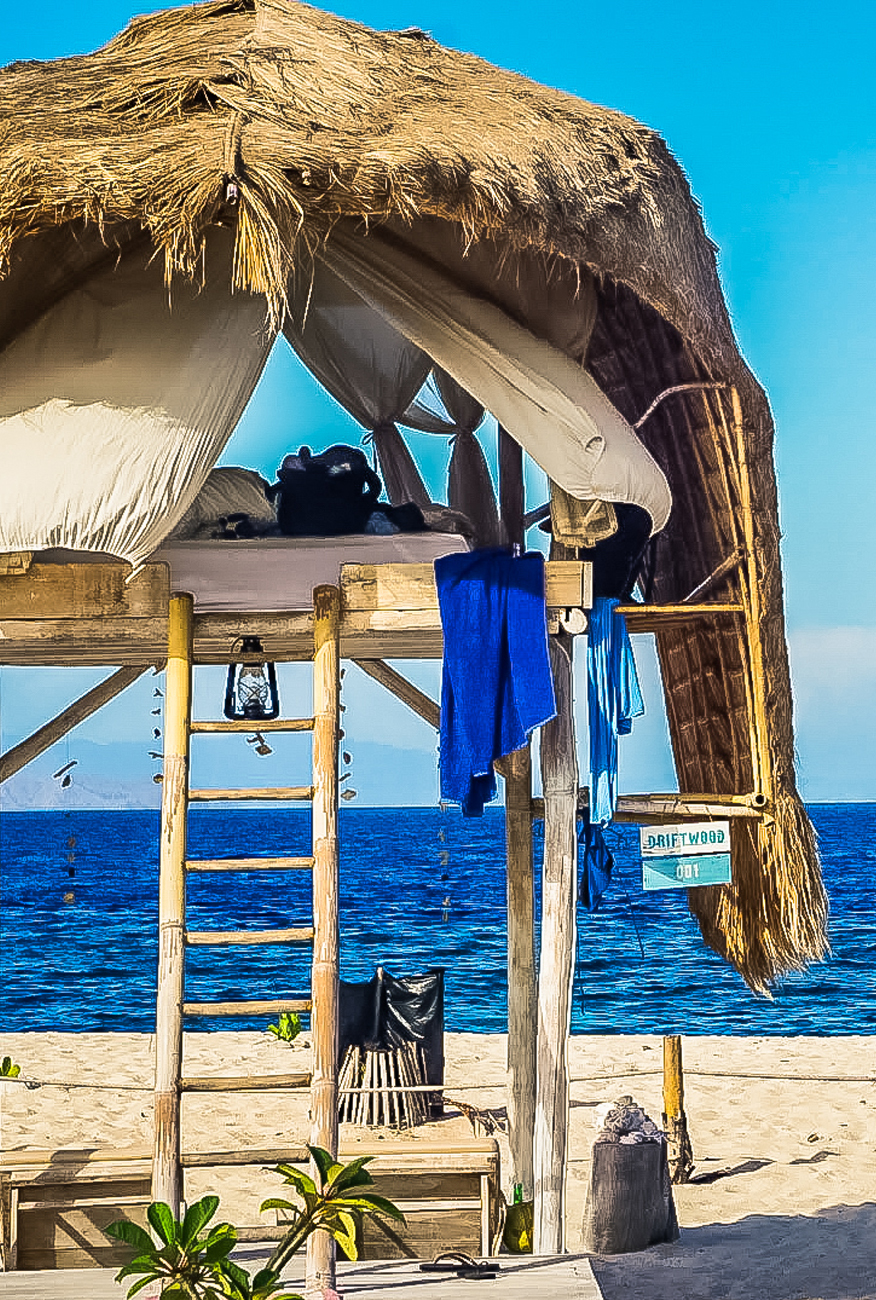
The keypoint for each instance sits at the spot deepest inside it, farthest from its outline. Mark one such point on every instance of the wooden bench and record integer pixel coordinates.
(54, 1204)
(448, 1192)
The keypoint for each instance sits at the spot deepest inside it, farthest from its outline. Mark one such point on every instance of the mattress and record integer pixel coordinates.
(274, 574)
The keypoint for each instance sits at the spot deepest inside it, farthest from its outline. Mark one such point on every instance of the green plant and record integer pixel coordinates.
(8, 1070)
(192, 1262)
(289, 1027)
(338, 1206)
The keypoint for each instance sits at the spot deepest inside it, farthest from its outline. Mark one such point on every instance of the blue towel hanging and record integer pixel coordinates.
(613, 700)
(496, 683)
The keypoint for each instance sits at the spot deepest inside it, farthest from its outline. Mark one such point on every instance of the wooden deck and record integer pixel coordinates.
(520, 1278)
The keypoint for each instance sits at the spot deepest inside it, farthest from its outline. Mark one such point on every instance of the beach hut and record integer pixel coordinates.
(408, 217)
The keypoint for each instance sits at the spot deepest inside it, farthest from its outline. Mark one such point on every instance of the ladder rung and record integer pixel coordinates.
(250, 728)
(272, 1156)
(298, 793)
(249, 864)
(243, 1082)
(223, 937)
(294, 1002)
(267, 1232)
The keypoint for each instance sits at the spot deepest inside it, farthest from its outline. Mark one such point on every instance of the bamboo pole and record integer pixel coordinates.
(522, 983)
(680, 1152)
(325, 979)
(166, 1166)
(763, 777)
(559, 770)
(18, 756)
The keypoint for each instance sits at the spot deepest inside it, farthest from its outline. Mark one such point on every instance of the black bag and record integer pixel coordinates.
(325, 495)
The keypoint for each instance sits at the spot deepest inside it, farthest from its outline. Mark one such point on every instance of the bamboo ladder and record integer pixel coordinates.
(174, 938)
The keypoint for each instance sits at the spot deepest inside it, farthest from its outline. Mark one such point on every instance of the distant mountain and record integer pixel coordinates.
(120, 775)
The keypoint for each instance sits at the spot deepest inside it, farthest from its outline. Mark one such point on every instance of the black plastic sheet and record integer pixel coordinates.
(386, 1011)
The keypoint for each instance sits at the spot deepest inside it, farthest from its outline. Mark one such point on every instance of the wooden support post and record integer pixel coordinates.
(559, 774)
(326, 968)
(511, 487)
(18, 756)
(166, 1166)
(522, 985)
(681, 1161)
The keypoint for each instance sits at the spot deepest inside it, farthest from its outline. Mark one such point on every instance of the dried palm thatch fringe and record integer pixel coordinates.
(281, 120)
(765, 921)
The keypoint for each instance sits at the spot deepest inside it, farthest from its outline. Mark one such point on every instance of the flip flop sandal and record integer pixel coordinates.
(456, 1261)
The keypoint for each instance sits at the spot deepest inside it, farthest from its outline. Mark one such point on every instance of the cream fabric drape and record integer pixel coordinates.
(374, 372)
(116, 403)
(552, 406)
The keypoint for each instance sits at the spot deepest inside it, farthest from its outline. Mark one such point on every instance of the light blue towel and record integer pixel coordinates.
(613, 700)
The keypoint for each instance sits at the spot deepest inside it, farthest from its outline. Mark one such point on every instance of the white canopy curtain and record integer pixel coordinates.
(547, 401)
(117, 401)
(376, 374)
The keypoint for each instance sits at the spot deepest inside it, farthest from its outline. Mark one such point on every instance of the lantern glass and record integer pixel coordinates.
(251, 693)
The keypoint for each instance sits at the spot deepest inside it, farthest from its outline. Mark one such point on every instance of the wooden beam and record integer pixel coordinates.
(20, 755)
(256, 1007)
(248, 728)
(402, 689)
(166, 1167)
(721, 571)
(522, 985)
(249, 864)
(559, 768)
(233, 938)
(276, 794)
(325, 978)
(658, 809)
(73, 591)
(405, 588)
(511, 490)
(15, 562)
(243, 1082)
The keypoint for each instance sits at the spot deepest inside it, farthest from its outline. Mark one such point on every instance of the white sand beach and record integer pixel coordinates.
(783, 1202)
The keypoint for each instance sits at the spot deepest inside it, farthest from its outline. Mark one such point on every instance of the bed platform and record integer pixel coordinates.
(88, 614)
(273, 574)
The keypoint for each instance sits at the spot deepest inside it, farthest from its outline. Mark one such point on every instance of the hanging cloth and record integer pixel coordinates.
(375, 373)
(597, 865)
(496, 683)
(580, 523)
(613, 700)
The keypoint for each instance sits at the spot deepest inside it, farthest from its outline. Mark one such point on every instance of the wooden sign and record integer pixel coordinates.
(685, 855)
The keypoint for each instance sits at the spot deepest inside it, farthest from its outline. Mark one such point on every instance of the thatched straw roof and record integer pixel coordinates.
(316, 119)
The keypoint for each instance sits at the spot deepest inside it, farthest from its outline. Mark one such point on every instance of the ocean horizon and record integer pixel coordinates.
(419, 888)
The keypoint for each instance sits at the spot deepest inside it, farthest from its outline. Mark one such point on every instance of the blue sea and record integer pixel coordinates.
(88, 962)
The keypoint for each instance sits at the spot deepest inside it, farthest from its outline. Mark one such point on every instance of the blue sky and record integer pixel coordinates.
(770, 110)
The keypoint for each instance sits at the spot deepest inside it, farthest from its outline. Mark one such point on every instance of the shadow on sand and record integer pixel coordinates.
(827, 1256)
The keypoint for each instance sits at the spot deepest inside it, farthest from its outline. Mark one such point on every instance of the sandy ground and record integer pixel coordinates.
(783, 1201)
